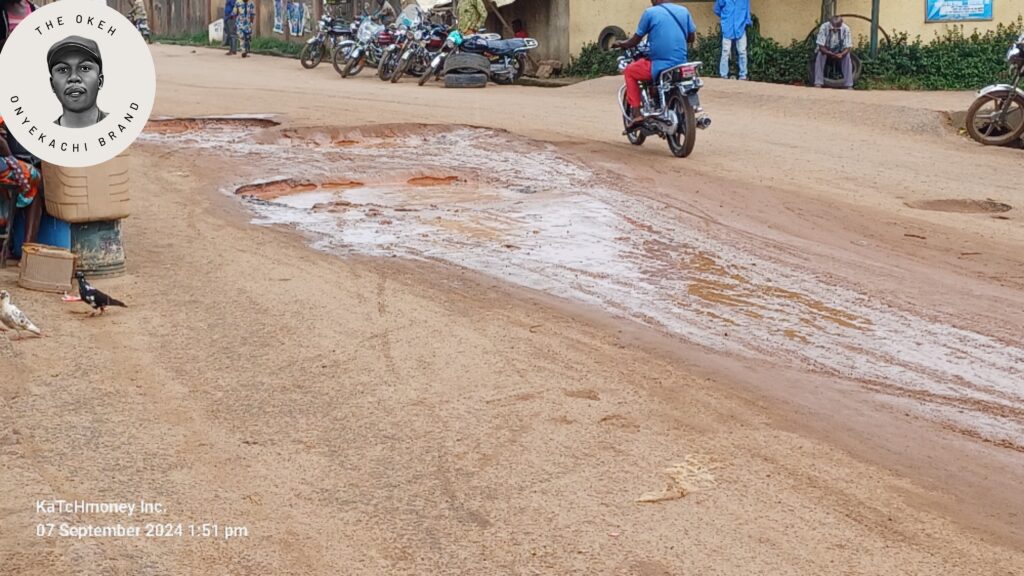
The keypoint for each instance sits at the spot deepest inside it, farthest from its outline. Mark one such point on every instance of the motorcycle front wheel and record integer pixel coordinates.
(312, 55)
(681, 143)
(997, 118)
(400, 67)
(432, 72)
(636, 136)
(386, 67)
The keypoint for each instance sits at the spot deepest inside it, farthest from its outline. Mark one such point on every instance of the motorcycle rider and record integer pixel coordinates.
(669, 29)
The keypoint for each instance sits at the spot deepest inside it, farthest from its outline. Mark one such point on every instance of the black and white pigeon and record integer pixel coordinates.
(93, 297)
(11, 318)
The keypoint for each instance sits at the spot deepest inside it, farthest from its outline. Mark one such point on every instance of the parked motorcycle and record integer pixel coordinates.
(371, 40)
(996, 118)
(420, 48)
(142, 26)
(389, 59)
(451, 46)
(331, 32)
(670, 105)
(508, 57)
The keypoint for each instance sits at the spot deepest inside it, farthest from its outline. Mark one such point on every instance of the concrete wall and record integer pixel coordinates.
(547, 21)
(589, 17)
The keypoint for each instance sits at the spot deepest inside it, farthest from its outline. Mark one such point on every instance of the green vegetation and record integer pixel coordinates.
(267, 46)
(952, 61)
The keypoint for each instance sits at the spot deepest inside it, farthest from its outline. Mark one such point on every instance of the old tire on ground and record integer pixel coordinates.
(463, 62)
(609, 36)
(831, 82)
(478, 80)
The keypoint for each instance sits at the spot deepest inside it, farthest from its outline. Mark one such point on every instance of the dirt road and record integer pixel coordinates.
(510, 343)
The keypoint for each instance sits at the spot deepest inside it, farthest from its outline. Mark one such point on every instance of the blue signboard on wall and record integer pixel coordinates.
(957, 10)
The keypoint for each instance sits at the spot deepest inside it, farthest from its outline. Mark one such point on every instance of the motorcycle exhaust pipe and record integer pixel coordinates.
(703, 122)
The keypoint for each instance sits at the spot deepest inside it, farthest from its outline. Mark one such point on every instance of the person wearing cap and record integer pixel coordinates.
(76, 76)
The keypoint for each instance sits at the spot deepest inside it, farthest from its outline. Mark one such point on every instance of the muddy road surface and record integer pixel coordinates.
(386, 329)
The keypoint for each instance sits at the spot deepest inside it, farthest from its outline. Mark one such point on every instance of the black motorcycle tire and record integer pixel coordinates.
(517, 72)
(351, 67)
(609, 36)
(636, 136)
(1011, 134)
(308, 58)
(339, 58)
(468, 63)
(433, 72)
(681, 143)
(384, 68)
(476, 80)
(399, 71)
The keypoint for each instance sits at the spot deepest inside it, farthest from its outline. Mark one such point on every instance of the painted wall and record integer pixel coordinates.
(783, 20)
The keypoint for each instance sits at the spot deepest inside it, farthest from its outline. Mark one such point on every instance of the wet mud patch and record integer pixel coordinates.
(206, 123)
(961, 206)
(524, 212)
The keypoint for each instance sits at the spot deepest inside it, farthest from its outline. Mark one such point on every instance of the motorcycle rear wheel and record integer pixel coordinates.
(989, 127)
(636, 136)
(681, 143)
(311, 56)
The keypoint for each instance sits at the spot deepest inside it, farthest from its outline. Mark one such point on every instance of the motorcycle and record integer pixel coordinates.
(419, 52)
(142, 26)
(507, 57)
(331, 32)
(670, 105)
(1003, 123)
(451, 46)
(371, 40)
(389, 59)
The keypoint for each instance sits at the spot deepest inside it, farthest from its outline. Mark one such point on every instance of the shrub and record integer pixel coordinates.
(952, 61)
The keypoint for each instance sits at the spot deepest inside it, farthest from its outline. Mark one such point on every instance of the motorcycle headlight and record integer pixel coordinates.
(419, 35)
(1013, 54)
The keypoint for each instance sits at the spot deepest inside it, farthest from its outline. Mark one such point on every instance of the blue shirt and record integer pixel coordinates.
(666, 27)
(229, 9)
(735, 15)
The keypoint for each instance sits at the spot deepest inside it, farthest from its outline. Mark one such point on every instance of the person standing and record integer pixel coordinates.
(472, 15)
(230, 27)
(834, 43)
(735, 17)
(245, 17)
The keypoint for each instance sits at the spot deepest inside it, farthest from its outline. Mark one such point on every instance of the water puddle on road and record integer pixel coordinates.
(520, 211)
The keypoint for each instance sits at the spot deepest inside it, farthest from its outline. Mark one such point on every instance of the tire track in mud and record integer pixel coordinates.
(520, 211)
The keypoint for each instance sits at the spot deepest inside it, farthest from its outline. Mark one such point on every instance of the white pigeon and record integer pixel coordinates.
(13, 319)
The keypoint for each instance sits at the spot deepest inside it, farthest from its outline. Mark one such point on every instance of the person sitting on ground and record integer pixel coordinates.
(12, 12)
(518, 30)
(834, 43)
(472, 15)
(669, 28)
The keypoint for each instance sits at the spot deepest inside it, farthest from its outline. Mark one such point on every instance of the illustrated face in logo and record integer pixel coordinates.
(76, 77)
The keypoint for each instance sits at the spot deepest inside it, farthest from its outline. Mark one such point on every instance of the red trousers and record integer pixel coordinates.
(639, 71)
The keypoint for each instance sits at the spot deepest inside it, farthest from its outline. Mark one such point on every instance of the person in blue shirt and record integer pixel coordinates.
(668, 28)
(230, 27)
(735, 17)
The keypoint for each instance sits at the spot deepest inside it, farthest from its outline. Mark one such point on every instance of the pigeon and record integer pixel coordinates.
(13, 319)
(98, 300)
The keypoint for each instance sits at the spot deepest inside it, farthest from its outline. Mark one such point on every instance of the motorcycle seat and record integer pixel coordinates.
(499, 47)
